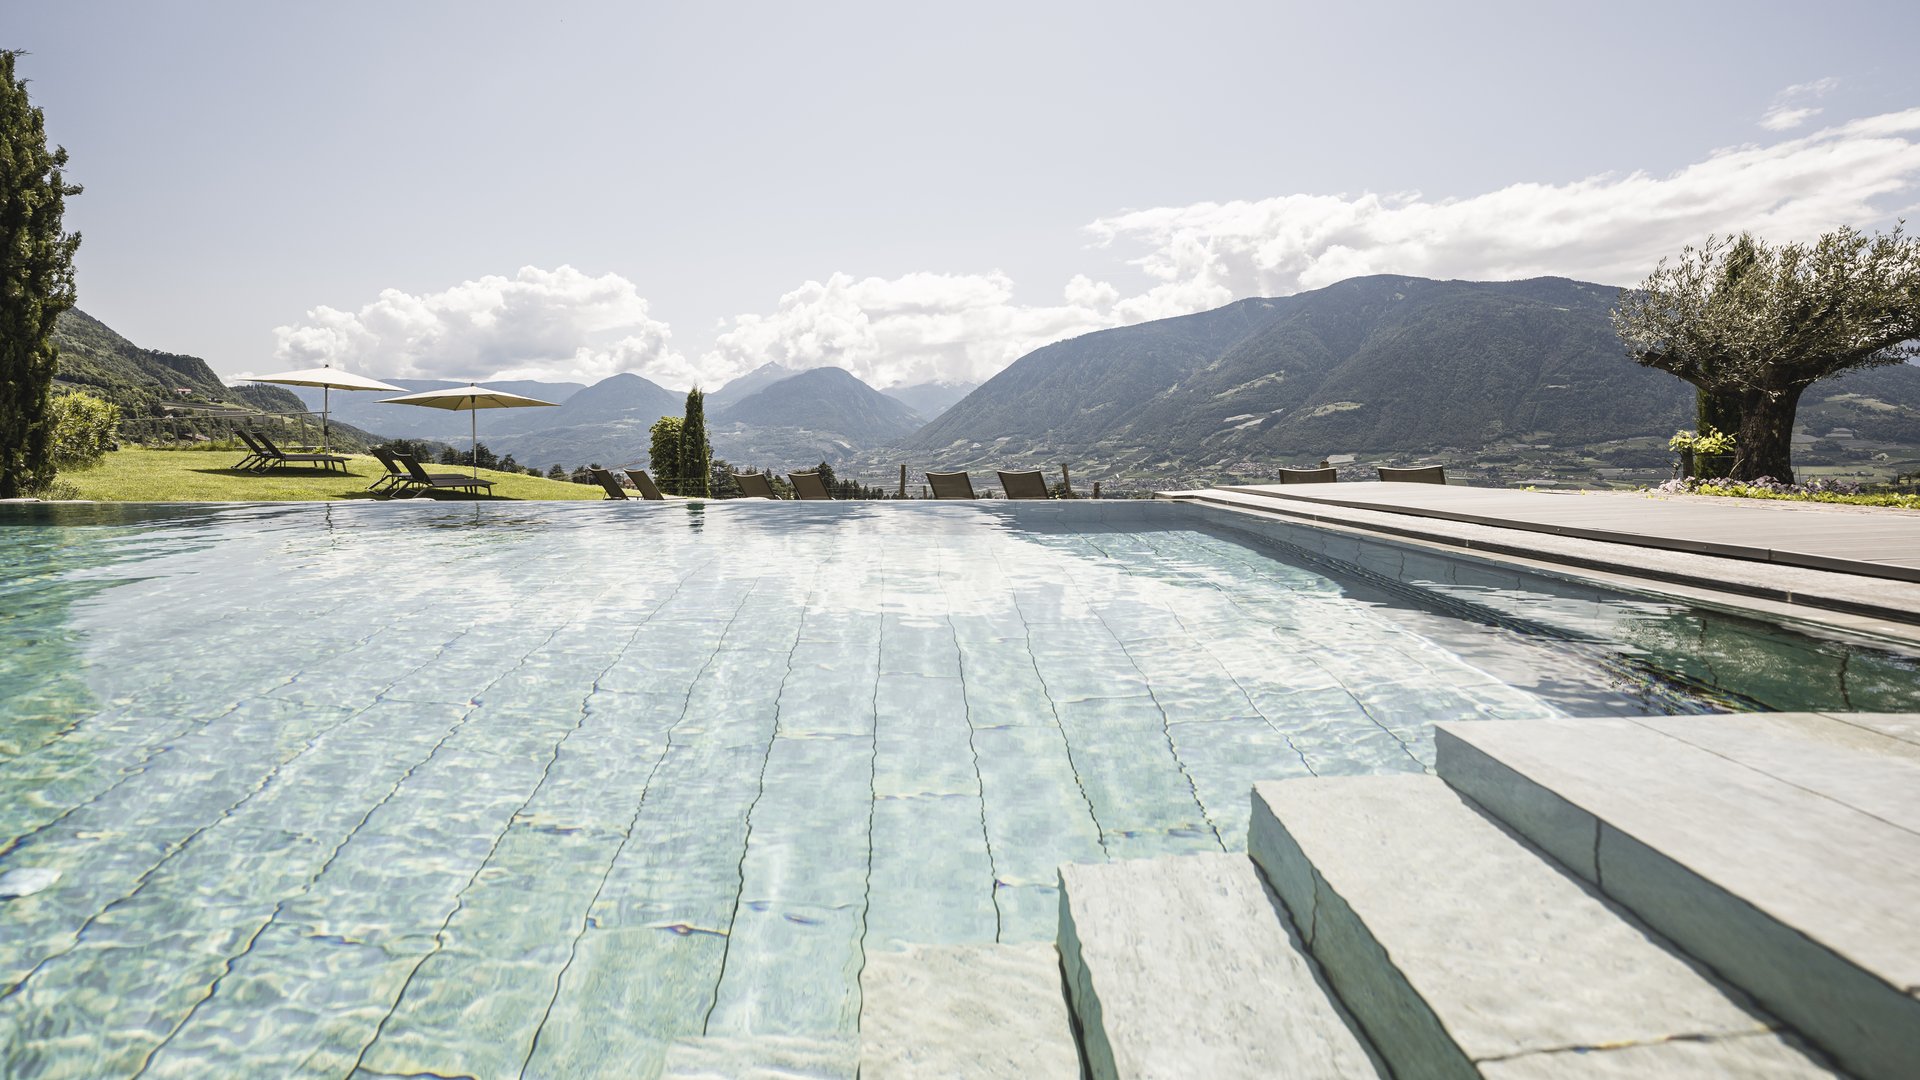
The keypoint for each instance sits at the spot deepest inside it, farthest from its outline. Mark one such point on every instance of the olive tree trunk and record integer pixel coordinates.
(1718, 410)
(1764, 444)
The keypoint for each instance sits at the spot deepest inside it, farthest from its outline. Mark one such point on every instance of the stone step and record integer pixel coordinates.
(1184, 966)
(1781, 850)
(978, 1011)
(1464, 953)
(762, 1057)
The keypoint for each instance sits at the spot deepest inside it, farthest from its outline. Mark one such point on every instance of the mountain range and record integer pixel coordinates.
(1376, 366)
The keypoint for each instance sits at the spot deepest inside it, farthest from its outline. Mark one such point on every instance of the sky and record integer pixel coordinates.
(914, 192)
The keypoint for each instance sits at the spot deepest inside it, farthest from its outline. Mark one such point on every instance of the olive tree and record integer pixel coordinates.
(36, 283)
(1752, 325)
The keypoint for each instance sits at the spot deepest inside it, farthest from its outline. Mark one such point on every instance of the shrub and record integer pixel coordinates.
(84, 429)
(1766, 487)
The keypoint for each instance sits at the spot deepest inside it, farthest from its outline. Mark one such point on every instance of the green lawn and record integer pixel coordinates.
(142, 475)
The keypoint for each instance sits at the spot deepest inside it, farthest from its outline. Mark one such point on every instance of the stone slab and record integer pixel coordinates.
(1849, 764)
(1749, 1057)
(1185, 966)
(1880, 545)
(1456, 944)
(1874, 605)
(761, 1057)
(1902, 726)
(977, 1011)
(1797, 887)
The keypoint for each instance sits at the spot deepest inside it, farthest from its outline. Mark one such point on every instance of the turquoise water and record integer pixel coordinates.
(504, 790)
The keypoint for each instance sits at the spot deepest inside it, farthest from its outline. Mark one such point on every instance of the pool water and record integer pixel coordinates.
(505, 790)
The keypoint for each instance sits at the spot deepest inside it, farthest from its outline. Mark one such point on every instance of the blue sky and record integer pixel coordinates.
(913, 192)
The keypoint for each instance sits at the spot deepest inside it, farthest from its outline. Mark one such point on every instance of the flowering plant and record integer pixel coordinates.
(1708, 441)
(1817, 490)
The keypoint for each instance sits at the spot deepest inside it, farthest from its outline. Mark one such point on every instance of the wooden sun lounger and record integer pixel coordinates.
(1024, 485)
(754, 485)
(426, 481)
(808, 485)
(1424, 474)
(645, 485)
(1309, 476)
(950, 485)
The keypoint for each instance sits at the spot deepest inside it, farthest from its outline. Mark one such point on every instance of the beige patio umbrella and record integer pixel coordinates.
(328, 379)
(471, 398)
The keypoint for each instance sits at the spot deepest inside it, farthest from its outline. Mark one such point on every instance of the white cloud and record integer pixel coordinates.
(1610, 228)
(909, 329)
(1786, 117)
(1789, 110)
(1606, 228)
(559, 324)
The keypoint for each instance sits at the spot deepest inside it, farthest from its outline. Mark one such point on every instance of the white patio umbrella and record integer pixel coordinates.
(470, 398)
(328, 379)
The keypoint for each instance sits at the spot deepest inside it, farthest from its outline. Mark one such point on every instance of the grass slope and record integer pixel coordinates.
(143, 475)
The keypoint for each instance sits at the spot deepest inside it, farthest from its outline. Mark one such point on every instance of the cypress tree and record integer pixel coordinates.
(663, 454)
(695, 451)
(36, 283)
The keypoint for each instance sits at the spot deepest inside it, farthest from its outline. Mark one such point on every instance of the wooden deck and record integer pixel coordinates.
(1868, 541)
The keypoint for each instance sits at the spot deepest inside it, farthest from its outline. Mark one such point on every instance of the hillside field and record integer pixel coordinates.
(137, 474)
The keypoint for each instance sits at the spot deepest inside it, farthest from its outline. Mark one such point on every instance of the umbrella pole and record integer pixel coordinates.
(473, 429)
(326, 406)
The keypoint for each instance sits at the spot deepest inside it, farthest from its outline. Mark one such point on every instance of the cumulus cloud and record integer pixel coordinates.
(1609, 228)
(560, 325)
(910, 329)
(919, 327)
(1789, 109)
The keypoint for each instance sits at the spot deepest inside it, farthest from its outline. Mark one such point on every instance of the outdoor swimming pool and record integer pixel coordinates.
(532, 789)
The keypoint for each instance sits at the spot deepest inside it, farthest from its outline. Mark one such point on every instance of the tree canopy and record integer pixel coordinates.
(36, 283)
(663, 453)
(1752, 325)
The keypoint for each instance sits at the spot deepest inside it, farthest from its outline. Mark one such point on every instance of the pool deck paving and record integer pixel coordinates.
(1859, 560)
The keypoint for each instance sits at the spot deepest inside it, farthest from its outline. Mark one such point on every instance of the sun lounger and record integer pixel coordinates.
(426, 481)
(1024, 485)
(950, 485)
(277, 457)
(1425, 474)
(1309, 476)
(395, 478)
(808, 485)
(645, 486)
(754, 485)
(609, 484)
(256, 457)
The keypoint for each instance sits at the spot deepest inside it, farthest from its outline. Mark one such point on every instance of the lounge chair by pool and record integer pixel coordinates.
(1309, 476)
(754, 485)
(1023, 485)
(395, 477)
(609, 484)
(1424, 474)
(275, 457)
(426, 481)
(645, 485)
(808, 485)
(950, 485)
(254, 456)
